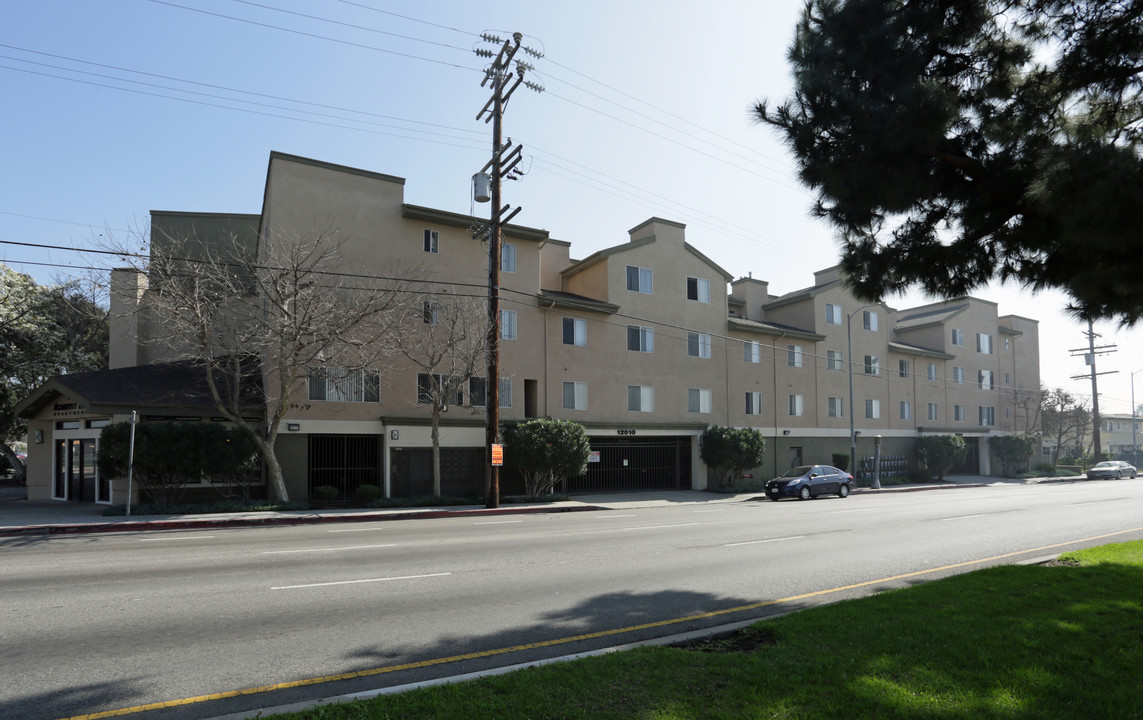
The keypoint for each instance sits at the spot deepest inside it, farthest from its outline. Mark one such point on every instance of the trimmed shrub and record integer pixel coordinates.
(841, 461)
(323, 495)
(731, 451)
(938, 453)
(366, 494)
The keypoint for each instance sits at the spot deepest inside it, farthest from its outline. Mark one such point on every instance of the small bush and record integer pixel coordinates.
(1044, 467)
(323, 495)
(366, 494)
(841, 461)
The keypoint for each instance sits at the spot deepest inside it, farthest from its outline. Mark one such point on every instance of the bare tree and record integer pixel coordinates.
(267, 313)
(1065, 420)
(1029, 403)
(447, 350)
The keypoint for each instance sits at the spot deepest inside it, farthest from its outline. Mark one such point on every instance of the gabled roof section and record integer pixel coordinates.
(602, 255)
(918, 351)
(929, 318)
(799, 295)
(443, 217)
(571, 301)
(772, 329)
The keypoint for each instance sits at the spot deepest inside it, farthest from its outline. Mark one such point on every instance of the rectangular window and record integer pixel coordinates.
(507, 324)
(794, 355)
(1007, 378)
(797, 407)
(436, 385)
(698, 400)
(932, 372)
(477, 392)
(507, 257)
(934, 411)
(872, 365)
(640, 398)
(903, 368)
(1007, 343)
(505, 392)
(958, 413)
(987, 415)
(752, 351)
(575, 331)
(835, 407)
(958, 375)
(906, 410)
(340, 385)
(430, 315)
(869, 319)
(640, 339)
(833, 360)
(575, 396)
(833, 314)
(698, 289)
(984, 380)
(753, 403)
(872, 408)
(957, 336)
(639, 279)
(984, 343)
(432, 241)
(698, 345)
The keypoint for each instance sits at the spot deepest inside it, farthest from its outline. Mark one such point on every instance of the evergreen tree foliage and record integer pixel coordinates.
(1013, 451)
(939, 453)
(546, 451)
(731, 451)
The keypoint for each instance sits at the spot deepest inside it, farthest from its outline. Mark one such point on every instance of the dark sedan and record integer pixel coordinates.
(1111, 469)
(807, 481)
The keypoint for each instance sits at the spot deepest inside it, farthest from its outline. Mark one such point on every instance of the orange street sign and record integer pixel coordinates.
(497, 455)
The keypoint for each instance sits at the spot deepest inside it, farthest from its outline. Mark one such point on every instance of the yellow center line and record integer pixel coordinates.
(571, 639)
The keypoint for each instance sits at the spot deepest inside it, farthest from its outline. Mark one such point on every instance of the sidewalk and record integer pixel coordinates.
(22, 517)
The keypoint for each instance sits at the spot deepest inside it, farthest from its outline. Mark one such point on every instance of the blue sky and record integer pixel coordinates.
(119, 107)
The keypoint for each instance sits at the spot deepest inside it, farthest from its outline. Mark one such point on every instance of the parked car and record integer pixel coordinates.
(807, 481)
(1111, 469)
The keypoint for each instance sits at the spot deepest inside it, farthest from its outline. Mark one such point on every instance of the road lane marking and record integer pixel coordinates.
(184, 537)
(308, 550)
(652, 527)
(498, 522)
(838, 512)
(699, 512)
(432, 662)
(756, 542)
(962, 517)
(355, 582)
(605, 516)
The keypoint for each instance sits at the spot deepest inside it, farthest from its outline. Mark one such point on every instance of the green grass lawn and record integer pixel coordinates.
(1058, 641)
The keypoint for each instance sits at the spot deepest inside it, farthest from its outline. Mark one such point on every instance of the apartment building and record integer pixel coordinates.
(646, 343)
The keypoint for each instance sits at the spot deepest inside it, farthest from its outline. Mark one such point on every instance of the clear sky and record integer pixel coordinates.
(119, 107)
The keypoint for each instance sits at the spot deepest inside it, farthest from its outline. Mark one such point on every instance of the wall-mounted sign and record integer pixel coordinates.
(625, 431)
(394, 434)
(497, 455)
(593, 456)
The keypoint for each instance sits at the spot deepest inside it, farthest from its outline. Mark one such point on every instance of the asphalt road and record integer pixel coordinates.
(98, 623)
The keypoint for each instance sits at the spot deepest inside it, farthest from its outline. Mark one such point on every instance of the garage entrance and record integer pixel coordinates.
(631, 464)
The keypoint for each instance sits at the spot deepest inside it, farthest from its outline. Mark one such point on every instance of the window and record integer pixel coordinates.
(872, 365)
(1007, 413)
(987, 415)
(794, 355)
(430, 387)
(932, 372)
(698, 289)
(698, 345)
(833, 360)
(869, 319)
(958, 413)
(640, 398)
(957, 336)
(640, 339)
(507, 324)
(1007, 378)
(1007, 343)
(958, 375)
(906, 410)
(340, 385)
(575, 331)
(505, 393)
(432, 241)
(753, 403)
(430, 314)
(833, 314)
(903, 368)
(507, 257)
(985, 380)
(797, 406)
(575, 396)
(835, 407)
(934, 411)
(639, 279)
(752, 351)
(698, 401)
(477, 392)
(984, 343)
(872, 408)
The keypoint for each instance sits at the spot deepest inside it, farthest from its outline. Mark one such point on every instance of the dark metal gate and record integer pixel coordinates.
(628, 464)
(411, 472)
(971, 464)
(345, 462)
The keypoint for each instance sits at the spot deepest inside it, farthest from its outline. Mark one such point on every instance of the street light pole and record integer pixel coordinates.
(1134, 446)
(852, 408)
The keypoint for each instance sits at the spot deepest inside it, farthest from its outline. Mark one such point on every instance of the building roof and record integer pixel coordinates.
(571, 301)
(909, 349)
(928, 318)
(772, 329)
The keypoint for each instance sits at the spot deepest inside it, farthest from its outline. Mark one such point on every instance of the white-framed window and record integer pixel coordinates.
(958, 413)
(794, 355)
(931, 371)
(984, 380)
(340, 385)
(987, 415)
(835, 407)
(505, 386)
(507, 324)
(872, 408)
(1007, 378)
(958, 375)
(906, 410)
(753, 403)
(872, 365)
(698, 345)
(869, 319)
(903, 368)
(640, 279)
(698, 289)
(698, 400)
(575, 331)
(797, 405)
(432, 241)
(575, 396)
(435, 385)
(833, 360)
(640, 338)
(1007, 413)
(430, 313)
(640, 398)
(507, 257)
(833, 314)
(478, 392)
(957, 336)
(934, 412)
(984, 343)
(1007, 343)
(752, 351)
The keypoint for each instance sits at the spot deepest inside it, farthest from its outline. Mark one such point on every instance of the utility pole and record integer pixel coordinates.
(503, 165)
(1089, 354)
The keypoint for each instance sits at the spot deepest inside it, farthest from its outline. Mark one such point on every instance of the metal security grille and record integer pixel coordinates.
(345, 462)
(628, 464)
(411, 472)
